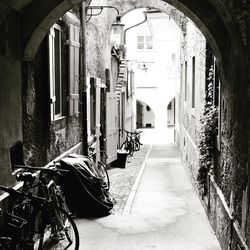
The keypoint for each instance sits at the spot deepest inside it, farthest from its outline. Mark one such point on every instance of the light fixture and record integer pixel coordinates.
(100, 8)
(117, 32)
(117, 28)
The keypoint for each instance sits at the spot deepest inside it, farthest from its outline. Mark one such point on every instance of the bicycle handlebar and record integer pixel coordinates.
(9, 190)
(13, 192)
(132, 132)
(48, 170)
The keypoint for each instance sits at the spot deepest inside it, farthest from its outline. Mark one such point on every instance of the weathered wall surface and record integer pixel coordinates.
(10, 94)
(45, 139)
(98, 47)
(10, 113)
(194, 45)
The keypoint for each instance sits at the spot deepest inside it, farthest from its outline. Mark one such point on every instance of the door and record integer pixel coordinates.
(111, 128)
(139, 115)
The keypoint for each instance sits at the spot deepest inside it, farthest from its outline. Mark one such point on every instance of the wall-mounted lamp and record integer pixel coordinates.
(117, 28)
(117, 33)
(100, 9)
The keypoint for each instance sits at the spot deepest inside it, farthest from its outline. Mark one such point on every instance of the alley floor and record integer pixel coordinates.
(157, 207)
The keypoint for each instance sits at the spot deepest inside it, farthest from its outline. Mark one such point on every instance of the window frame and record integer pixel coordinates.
(185, 80)
(53, 74)
(145, 43)
(193, 82)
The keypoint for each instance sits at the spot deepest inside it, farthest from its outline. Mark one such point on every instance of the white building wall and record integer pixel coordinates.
(155, 85)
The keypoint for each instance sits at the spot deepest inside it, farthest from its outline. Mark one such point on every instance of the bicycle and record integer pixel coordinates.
(10, 231)
(43, 182)
(128, 144)
(132, 142)
(49, 223)
(136, 136)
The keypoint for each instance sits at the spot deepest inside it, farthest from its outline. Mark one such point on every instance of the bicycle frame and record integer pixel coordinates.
(41, 213)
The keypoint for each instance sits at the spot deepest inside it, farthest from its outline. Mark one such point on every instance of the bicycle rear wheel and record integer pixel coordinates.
(103, 174)
(137, 145)
(60, 233)
(128, 146)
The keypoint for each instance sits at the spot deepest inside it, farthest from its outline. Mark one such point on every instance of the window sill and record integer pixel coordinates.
(59, 118)
(145, 50)
(59, 122)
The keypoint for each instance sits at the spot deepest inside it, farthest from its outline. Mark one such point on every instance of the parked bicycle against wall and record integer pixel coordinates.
(43, 181)
(132, 142)
(41, 204)
(136, 136)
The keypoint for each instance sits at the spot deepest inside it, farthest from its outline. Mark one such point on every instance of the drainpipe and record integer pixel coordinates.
(133, 26)
(124, 40)
(83, 80)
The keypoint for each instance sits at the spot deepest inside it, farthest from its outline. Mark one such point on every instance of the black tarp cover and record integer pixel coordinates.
(86, 194)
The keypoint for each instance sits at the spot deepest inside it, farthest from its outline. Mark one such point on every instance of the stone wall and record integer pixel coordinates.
(193, 46)
(98, 46)
(44, 139)
(10, 94)
(10, 114)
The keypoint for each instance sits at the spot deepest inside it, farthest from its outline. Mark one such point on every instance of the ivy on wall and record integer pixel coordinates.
(207, 136)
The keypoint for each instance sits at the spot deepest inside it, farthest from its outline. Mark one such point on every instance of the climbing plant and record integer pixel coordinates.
(207, 135)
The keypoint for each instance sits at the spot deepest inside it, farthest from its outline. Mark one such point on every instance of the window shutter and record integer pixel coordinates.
(74, 50)
(52, 74)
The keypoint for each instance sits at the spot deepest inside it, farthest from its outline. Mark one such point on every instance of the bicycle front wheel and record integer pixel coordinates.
(60, 233)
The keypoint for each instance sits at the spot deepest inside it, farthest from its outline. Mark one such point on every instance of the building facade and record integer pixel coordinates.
(153, 50)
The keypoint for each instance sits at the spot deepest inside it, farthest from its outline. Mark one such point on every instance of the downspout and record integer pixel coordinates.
(124, 42)
(83, 80)
(135, 25)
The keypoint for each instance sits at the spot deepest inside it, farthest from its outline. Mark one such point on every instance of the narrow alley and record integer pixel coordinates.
(163, 210)
(80, 80)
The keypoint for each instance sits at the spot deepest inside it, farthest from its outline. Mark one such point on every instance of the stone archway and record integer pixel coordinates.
(37, 19)
(213, 19)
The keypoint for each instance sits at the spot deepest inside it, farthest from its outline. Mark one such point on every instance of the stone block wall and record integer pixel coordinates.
(43, 139)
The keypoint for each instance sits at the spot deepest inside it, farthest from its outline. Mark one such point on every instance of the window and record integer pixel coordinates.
(193, 82)
(55, 72)
(216, 92)
(182, 67)
(74, 55)
(144, 42)
(92, 105)
(185, 82)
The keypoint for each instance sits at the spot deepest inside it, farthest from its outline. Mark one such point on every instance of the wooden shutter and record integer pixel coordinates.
(111, 128)
(52, 73)
(74, 50)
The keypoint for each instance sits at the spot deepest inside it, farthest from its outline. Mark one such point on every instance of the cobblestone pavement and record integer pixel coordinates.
(122, 179)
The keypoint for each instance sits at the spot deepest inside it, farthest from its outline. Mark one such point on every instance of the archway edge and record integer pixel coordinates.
(210, 16)
(37, 20)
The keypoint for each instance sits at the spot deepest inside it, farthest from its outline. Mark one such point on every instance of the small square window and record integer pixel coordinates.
(144, 42)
